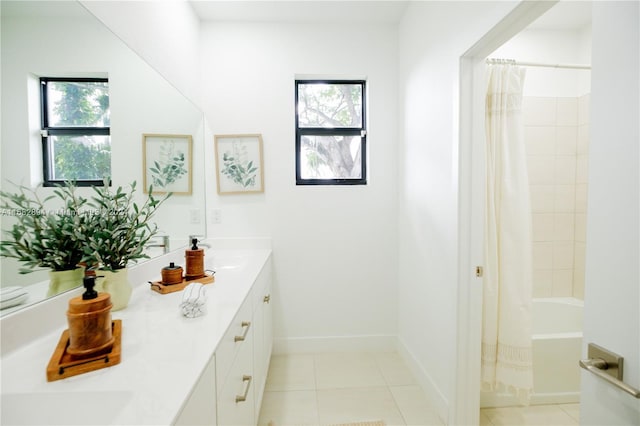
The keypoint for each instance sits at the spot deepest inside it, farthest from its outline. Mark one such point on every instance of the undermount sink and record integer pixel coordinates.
(227, 261)
(62, 408)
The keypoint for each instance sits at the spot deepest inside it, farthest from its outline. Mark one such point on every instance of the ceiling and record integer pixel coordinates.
(301, 11)
(566, 15)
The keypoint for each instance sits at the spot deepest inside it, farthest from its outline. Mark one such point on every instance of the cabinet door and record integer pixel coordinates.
(236, 398)
(232, 342)
(262, 341)
(267, 319)
(200, 408)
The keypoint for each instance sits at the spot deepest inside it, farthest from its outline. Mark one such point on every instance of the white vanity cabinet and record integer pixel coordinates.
(199, 409)
(208, 370)
(230, 389)
(235, 397)
(262, 335)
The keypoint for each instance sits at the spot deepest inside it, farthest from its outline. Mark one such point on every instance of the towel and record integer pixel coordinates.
(193, 300)
(12, 296)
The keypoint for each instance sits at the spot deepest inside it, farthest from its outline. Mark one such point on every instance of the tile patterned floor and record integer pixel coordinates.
(332, 388)
(324, 389)
(535, 415)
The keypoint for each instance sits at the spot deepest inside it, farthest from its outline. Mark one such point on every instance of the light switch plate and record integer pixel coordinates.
(216, 216)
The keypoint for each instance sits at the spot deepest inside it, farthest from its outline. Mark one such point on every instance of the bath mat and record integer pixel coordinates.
(377, 423)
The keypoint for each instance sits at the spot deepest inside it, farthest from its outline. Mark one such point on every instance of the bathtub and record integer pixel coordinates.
(557, 346)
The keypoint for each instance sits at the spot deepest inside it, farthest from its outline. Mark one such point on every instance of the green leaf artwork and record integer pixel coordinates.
(170, 165)
(237, 167)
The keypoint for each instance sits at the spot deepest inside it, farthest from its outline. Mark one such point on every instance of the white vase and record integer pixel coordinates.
(61, 281)
(117, 284)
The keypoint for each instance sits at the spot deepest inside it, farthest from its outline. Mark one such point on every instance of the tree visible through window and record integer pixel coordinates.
(330, 132)
(75, 130)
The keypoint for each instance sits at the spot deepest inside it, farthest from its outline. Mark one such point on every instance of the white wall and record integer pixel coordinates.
(433, 36)
(158, 30)
(334, 246)
(141, 101)
(551, 47)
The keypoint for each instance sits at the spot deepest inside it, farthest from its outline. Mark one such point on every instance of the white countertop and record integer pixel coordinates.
(163, 355)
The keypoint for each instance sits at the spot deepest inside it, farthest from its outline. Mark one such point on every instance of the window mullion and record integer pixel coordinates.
(77, 131)
(323, 131)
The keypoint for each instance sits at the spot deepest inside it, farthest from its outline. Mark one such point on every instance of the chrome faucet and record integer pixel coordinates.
(164, 245)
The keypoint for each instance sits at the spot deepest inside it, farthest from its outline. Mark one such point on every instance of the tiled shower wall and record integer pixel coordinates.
(556, 135)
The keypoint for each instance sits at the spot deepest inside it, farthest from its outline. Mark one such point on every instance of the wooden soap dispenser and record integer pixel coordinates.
(89, 318)
(193, 271)
(195, 262)
(92, 341)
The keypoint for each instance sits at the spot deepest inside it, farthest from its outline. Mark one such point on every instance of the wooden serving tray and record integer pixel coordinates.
(170, 288)
(63, 365)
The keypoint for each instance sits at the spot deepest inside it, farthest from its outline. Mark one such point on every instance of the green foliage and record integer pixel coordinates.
(81, 161)
(45, 236)
(108, 229)
(237, 168)
(121, 227)
(80, 104)
(170, 167)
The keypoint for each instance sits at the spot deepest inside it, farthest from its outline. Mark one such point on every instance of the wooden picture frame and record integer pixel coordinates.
(167, 163)
(239, 164)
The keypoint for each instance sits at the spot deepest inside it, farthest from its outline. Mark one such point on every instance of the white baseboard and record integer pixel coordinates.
(439, 401)
(497, 400)
(366, 343)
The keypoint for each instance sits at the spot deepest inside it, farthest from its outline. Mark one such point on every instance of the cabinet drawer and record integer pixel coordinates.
(235, 398)
(236, 336)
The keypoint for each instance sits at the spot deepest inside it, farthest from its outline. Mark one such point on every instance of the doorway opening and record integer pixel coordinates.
(538, 33)
(555, 51)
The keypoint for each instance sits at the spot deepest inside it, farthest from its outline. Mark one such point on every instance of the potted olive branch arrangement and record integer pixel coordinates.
(120, 231)
(107, 231)
(46, 237)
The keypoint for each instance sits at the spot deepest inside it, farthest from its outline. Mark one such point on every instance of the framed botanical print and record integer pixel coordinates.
(239, 164)
(167, 163)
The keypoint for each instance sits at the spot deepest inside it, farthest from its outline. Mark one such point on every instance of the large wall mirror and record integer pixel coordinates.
(62, 39)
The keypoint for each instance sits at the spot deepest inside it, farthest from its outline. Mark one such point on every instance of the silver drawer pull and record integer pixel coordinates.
(608, 366)
(243, 397)
(267, 298)
(245, 325)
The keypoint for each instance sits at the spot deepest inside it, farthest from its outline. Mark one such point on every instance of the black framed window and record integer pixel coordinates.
(76, 142)
(331, 133)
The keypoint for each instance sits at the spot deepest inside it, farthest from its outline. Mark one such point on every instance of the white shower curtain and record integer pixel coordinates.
(506, 322)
